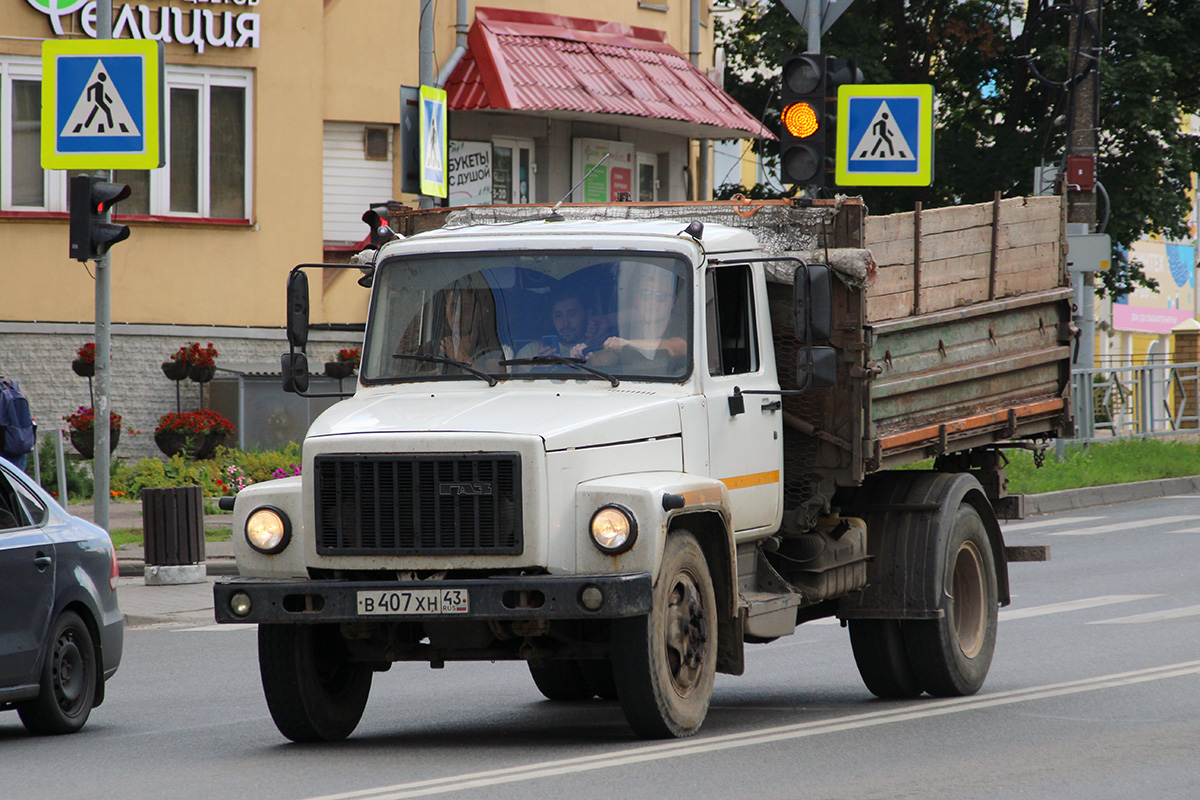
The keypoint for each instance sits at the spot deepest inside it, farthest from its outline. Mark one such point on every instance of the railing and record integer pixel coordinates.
(1153, 399)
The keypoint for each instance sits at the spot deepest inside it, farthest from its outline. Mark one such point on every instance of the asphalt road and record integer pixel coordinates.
(1094, 693)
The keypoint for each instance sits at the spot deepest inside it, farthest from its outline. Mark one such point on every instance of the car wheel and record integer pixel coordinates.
(67, 686)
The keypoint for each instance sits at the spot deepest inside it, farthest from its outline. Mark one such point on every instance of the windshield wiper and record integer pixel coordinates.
(464, 366)
(552, 359)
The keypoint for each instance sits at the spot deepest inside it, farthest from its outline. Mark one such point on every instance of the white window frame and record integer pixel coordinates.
(201, 79)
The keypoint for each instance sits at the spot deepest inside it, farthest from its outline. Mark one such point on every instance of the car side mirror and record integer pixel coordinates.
(816, 367)
(294, 367)
(297, 308)
(813, 303)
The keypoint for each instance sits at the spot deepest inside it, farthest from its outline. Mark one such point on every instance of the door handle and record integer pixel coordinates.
(41, 561)
(772, 405)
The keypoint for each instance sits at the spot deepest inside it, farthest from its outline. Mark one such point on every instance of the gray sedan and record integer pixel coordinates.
(61, 632)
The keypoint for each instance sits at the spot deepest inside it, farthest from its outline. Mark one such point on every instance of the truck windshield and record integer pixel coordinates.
(626, 315)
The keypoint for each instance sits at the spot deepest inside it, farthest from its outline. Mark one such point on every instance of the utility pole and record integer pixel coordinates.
(1081, 195)
(101, 460)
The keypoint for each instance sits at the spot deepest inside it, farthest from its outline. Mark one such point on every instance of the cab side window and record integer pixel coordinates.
(729, 319)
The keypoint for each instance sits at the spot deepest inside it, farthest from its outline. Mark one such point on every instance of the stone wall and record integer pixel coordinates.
(39, 355)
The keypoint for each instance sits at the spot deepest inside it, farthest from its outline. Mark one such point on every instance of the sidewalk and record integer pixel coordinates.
(191, 604)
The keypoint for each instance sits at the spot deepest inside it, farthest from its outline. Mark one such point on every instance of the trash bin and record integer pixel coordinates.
(173, 535)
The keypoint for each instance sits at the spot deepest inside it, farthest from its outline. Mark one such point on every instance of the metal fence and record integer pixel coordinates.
(1153, 399)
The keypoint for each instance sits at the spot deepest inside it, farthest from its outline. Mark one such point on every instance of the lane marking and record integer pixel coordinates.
(1153, 616)
(1072, 605)
(693, 747)
(234, 626)
(1125, 526)
(1045, 523)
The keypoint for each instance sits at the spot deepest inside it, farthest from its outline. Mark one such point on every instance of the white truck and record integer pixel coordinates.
(621, 443)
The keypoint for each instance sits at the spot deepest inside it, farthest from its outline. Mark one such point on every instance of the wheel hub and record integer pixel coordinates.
(687, 638)
(968, 592)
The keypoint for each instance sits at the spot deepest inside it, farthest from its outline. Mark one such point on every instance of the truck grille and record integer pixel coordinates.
(419, 505)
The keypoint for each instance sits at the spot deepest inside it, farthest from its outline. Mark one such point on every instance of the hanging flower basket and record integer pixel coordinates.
(175, 370)
(85, 441)
(192, 434)
(201, 374)
(84, 369)
(339, 369)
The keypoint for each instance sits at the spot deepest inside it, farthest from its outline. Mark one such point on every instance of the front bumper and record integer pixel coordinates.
(502, 598)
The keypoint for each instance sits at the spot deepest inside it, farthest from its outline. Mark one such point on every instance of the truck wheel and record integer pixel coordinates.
(562, 681)
(882, 659)
(314, 691)
(67, 688)
(664, 662)
(951, 656)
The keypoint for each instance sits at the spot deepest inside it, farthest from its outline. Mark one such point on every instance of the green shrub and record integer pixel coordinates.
(79, 478)
(224, 474)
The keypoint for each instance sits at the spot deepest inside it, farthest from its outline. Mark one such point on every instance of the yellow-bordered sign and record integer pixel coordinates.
(102, 104)
(435, 173)
(885, 135)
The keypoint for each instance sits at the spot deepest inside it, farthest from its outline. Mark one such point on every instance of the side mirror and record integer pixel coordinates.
(297, 309)
(813, 303)
(823, 371)
(294, 367)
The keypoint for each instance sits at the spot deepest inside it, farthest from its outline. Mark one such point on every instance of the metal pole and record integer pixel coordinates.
(101, 461)
(703, 155)
(812, 24)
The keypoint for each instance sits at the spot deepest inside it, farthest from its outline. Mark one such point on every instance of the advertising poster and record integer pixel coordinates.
(611, 181)
(1145, 311)
(470, 173)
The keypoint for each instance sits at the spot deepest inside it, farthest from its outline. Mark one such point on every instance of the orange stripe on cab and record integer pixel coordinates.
(757, 479)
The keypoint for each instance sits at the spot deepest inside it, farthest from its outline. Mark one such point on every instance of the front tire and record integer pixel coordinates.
(314, 691)
(68, 680)
(951, 656)
(664, 663)
(562, 681)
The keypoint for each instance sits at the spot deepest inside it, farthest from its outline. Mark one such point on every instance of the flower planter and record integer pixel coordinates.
(201, 374)
(339, 369)
(175, 370)
(189, 444)
(85, 440)
(84, 369)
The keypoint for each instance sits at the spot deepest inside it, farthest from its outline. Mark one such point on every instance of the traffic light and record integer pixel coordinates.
(91, 233)
(808, 140)
(802, 135)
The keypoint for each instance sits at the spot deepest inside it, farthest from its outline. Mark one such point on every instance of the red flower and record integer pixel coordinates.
(203, 421)
(195, 355)
(87, 353)
(85, 418)
(352, 354)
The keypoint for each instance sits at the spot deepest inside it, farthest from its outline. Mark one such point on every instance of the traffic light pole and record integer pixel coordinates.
(101, 463)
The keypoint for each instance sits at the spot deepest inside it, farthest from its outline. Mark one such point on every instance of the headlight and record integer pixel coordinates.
(268, 530)
(613, 529)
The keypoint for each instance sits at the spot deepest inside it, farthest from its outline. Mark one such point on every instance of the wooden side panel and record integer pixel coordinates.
(962, 260)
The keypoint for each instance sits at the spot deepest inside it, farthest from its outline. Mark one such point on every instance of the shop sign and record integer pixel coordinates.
(198, 27)
(1159, 310)
(470, 173)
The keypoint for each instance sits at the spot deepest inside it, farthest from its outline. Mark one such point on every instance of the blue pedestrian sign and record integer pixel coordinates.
(435, 174)
(885, 135)
(102, 104)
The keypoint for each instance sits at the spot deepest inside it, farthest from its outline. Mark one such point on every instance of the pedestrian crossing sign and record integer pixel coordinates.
(435, 177)
(885, 135)
(102, 104)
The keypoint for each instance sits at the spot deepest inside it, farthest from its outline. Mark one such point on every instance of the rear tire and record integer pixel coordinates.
(314, 691)
(562, 681)
(664, 663)
(599, 675)
(68, 680)
(882, 658)
(951, 656)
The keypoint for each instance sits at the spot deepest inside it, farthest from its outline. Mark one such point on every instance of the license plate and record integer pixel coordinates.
(414, 601)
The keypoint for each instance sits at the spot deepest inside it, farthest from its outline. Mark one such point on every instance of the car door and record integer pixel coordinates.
(26, 586)
(745, 448)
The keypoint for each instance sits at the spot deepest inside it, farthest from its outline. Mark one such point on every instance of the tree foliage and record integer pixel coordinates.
(995, 120)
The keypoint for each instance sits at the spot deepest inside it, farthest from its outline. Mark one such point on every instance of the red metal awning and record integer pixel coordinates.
(570, 68)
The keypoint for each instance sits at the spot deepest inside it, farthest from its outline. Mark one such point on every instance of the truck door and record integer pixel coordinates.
(745, 438)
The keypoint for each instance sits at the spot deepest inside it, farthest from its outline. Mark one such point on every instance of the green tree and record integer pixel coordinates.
(996, 121)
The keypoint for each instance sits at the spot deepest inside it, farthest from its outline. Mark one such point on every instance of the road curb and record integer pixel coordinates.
(1072, 499)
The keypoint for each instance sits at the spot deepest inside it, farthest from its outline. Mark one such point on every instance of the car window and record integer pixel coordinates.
(10, 507)
(35, 509)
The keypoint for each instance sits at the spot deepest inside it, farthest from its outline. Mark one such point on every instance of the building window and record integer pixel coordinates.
(208, 147)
